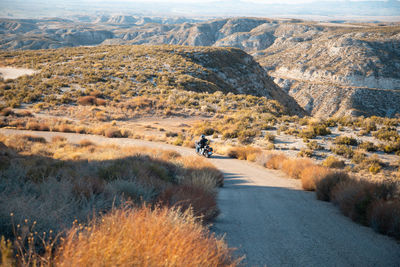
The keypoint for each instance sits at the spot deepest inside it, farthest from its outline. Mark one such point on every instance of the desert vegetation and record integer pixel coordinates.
(373, 203)
(116, 91)
(50, 189)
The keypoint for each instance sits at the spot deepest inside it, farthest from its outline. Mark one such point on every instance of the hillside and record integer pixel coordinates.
(329, 68)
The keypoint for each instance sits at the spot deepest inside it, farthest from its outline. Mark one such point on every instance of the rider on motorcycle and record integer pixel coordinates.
(202, 143)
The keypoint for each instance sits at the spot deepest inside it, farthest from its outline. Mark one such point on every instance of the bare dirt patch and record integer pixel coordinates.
(13, 73)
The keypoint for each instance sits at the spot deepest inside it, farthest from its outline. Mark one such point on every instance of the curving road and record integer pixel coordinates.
(271, 221)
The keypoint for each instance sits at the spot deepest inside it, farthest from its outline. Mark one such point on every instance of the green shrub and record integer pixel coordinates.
(229, 134)
(333, 162)
(345, 140)
(387, 134)
(314, 145)
(368, 146)
(358, 157)
(269, 137)
(306, 153)
(343, 150)
(391, 147)
(375, 168)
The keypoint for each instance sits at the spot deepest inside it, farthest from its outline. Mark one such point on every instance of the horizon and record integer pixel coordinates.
(367, 10)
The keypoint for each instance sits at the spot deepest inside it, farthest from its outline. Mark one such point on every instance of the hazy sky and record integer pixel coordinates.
(201, 8)
(250, 1)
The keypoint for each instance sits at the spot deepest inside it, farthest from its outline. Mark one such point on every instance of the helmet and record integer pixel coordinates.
(203, 136)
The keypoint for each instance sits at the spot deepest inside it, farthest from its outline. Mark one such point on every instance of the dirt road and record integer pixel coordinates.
(274, 223)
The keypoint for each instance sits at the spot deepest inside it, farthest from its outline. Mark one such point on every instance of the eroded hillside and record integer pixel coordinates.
(329, 68)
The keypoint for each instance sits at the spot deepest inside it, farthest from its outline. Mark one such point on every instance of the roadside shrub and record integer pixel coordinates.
(324, 187)
(333, 162)
(384, 217)
(170, 237)
(113, 133)
(33, 126)
(86, 143)
(355, 197)
(275, 161)
(310, 175)
(294, 167)
(65, 128)
(186, 197)
(244, 153)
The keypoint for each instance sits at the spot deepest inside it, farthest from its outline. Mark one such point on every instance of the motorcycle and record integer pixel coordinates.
(206, 151)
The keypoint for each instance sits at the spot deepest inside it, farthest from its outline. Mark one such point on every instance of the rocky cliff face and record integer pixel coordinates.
(311, 61)
(330, 72)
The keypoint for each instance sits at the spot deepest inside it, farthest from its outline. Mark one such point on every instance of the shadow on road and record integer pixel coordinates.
(219, 157)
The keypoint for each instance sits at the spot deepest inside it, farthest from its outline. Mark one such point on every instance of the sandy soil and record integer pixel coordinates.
(273, 222)
(13, 73)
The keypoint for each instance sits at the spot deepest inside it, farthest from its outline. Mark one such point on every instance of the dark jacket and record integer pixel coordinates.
(203, 142)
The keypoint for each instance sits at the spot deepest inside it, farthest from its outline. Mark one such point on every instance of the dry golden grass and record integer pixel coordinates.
(275, 161)
(333, 162)
(244, 153)
(201, 172)
(311, 174)
(294, 167)
(85, 143)
(144, 237)
(58, 138)
(65, 128)
(203, 203)
(80, 180)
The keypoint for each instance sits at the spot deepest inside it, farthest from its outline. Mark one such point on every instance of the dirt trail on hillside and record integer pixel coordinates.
(273, 222)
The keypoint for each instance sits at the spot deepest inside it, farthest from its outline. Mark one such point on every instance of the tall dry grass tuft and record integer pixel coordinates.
(275, 161)
(200, 171)
(311, 175)
(202, 202)
(294, 167)
(145, 237)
